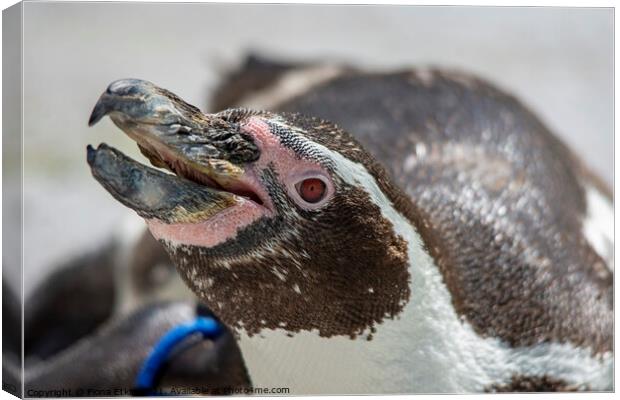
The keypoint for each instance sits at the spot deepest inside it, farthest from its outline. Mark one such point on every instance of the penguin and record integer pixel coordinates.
(417, 231)
(109, 308)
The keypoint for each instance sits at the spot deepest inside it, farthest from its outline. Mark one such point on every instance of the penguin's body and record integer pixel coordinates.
(512, 212)
(456, 245)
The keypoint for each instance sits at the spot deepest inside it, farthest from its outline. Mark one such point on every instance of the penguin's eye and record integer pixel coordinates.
(311, 190)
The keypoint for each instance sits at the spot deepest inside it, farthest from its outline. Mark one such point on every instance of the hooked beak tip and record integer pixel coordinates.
(98, 112)
(90, 155)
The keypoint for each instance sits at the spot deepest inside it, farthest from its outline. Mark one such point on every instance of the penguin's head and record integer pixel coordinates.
(277, 221)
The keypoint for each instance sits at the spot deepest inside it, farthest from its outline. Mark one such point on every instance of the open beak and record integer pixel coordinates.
(207, 153)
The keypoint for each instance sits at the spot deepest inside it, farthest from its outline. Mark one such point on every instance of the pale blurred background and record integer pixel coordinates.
(558, 61)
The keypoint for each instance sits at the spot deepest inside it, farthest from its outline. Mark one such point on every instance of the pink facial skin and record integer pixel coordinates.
(212, 231)
(225, 224)
(290, 168)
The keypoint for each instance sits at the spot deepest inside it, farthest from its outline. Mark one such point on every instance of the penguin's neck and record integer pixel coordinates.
(427, 348)
(414, 352)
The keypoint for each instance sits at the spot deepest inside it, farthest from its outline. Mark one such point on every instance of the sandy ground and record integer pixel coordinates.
(559, 61)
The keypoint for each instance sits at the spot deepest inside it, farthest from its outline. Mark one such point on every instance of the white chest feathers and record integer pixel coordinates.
(598, 226)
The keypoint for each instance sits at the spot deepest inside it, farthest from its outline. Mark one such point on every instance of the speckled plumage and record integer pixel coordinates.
(500, 202)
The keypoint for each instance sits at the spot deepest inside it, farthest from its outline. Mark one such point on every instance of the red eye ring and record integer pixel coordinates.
(311, 190)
